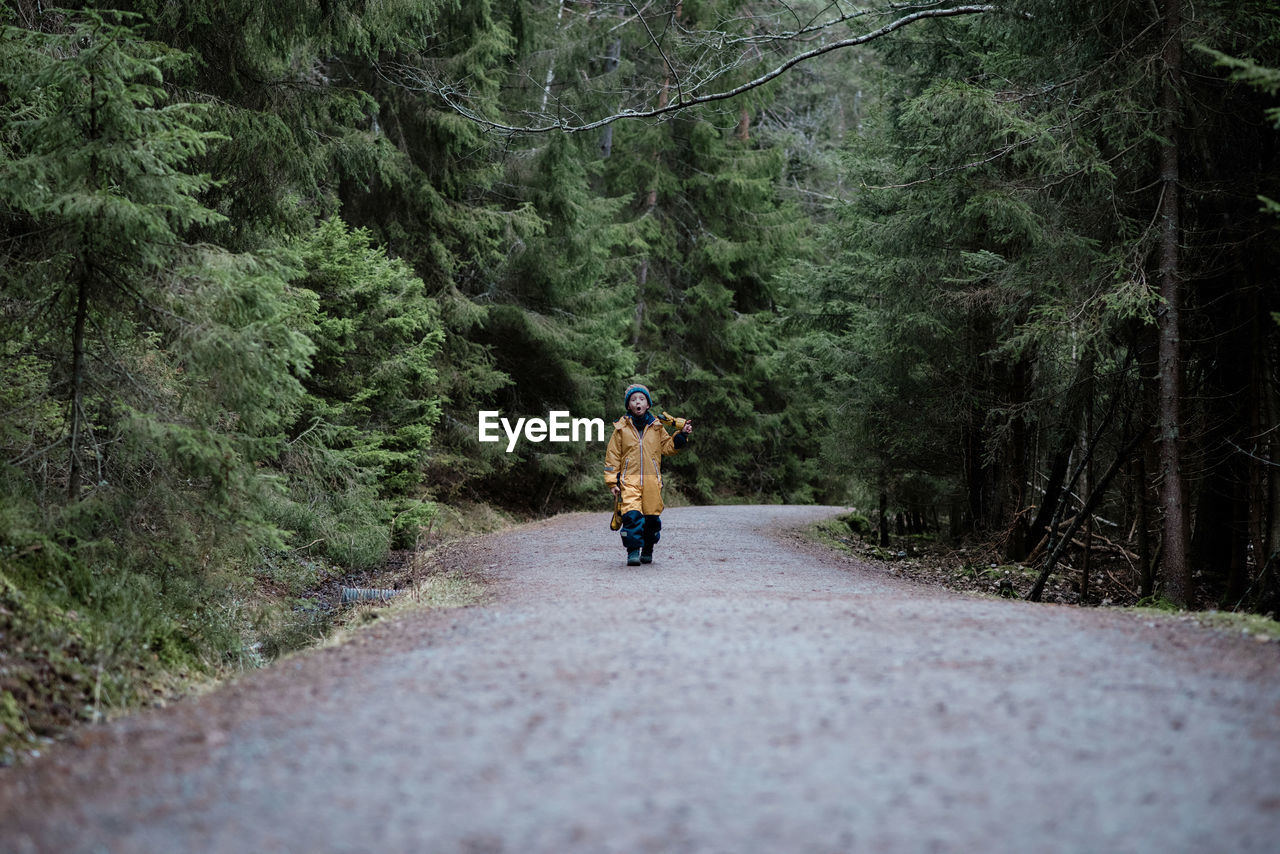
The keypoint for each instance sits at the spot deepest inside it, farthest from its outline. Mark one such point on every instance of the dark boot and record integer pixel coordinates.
(633, 558)
(646, 554)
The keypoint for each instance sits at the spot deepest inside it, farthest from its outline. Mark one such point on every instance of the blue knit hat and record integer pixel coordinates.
(632, 389)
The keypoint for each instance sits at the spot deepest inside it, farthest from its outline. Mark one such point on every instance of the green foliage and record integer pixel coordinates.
(188, 356)
(978, 254)
(988, 309)
(560, 313)
(1158, 604)
(147, 375)
(372, 383)
(258, 279)
(358, 437)
(857, 523)
(91, 151)
(413, 523)
(651, 262)
(707, 331)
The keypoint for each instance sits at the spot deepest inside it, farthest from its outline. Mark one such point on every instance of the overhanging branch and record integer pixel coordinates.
(454, 98)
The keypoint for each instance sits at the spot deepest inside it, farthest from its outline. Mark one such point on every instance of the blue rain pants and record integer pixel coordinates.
(640, 532)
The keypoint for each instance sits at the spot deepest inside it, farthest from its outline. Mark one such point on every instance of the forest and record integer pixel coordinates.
(997, 274)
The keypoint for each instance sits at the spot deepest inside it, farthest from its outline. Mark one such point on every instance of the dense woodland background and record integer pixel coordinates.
(260, 273)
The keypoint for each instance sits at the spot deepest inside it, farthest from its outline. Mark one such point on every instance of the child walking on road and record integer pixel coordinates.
(633, 470)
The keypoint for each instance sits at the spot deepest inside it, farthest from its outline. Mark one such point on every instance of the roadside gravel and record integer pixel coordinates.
(747, 692)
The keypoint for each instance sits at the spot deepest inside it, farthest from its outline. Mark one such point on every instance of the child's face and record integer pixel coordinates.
(638, 404)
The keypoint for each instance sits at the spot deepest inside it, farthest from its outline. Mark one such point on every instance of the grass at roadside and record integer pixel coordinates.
(432, 589)
(1255, 626)
(95, 645)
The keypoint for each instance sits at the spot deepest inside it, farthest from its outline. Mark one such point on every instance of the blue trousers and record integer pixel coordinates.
(640, 531)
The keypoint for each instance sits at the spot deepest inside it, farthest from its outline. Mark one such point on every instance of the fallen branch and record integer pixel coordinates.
(1035, 553)
(1037, 589)
(1110, 547)
(1121, 584)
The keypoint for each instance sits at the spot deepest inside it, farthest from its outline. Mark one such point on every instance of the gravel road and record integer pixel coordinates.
(747, 692)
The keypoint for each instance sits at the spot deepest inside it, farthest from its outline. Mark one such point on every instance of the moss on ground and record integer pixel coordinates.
(1248, 625)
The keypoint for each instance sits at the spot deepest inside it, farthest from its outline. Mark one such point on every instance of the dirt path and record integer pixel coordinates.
(745, 693)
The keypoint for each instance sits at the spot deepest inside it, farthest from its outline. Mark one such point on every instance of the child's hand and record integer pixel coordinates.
(617, 491)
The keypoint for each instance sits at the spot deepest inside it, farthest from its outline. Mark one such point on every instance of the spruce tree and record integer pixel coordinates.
(155, 370)
(1010, 196)
(95, 168)
(360, 437)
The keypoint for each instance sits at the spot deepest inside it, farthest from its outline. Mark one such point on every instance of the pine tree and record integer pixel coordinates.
(359, 441)
(1019, 165)
(708, 318)
(95, 168)
(559, 317)
(155, 371)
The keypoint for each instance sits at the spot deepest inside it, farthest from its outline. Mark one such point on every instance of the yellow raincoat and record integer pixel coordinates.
(634, 460)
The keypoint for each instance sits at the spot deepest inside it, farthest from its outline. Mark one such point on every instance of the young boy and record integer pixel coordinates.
(633, 470)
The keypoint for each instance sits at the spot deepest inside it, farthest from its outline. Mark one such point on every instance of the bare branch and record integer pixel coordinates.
(419, 79)
(809, 28)
(657, 44)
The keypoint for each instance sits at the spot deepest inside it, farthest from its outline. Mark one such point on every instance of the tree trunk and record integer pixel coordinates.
(1091, 504)
(1019, 473)
(884, 519)
(1052, 494)
(612, 58)
(651, 195)
(551, 66)
(642, 281)
(1269, 449)
(1146, 580)
(77, 382)
(650, 202)
(1175, 568)
(1085, 487)
(1256, 492)
(1147, 462)
(84, 281)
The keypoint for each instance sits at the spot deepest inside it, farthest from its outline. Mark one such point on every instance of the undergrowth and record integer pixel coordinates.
(82, 642)
(969, 571)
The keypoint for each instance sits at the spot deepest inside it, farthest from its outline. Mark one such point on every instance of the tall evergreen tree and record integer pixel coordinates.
(155, 370)
(707, 316)
(95, 171)
(1022, 166)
